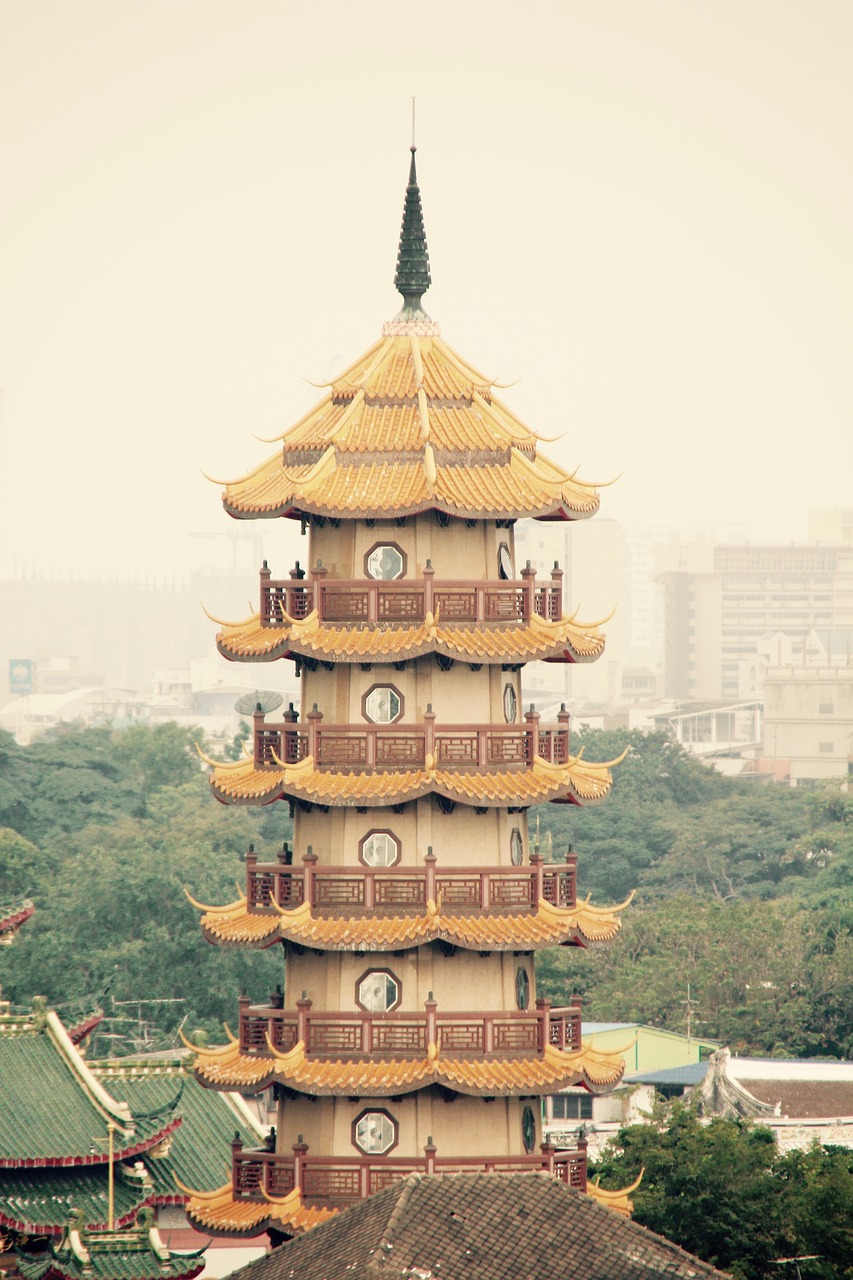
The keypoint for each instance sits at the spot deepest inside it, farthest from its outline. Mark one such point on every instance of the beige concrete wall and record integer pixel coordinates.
(466, 981)
(456, 551)
(464, 1127)
(463, 839)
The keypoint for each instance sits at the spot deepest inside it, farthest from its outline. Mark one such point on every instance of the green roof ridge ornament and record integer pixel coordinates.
(412, 278)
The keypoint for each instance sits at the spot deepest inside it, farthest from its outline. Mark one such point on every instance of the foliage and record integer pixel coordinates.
(721, 1190)
(108, 877)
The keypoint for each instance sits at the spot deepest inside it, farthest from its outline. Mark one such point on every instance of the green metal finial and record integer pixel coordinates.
(412, 278)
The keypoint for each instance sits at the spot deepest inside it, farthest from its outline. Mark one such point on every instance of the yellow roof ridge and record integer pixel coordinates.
(322, 468)
(222, 622)
(296, 915)
(294, 1057)
(202, 1195)
(293, 1198)
(605, 1196)
(215, 911)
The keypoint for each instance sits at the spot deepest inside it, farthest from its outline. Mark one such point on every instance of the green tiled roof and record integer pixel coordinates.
(199, 1152)
(51, 1110)
(40, 1201)
(136, 1254)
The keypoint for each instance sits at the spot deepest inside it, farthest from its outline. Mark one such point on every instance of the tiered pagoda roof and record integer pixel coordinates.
(578, 781)
(548, 926)
(536, 640)
(410, 427)
(498, 1075)
(13, 914)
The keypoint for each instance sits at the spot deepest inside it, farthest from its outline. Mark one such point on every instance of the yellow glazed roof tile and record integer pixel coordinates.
(547, 926)
(368, 449)
(229, 1069)
(536, 640)
(577, 782)
(223, 1214)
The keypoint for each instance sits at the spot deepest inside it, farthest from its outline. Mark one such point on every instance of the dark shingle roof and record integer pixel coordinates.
(803, 1099)
(480, 1226)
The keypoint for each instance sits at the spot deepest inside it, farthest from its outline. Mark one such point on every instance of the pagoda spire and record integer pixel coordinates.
(412, 278)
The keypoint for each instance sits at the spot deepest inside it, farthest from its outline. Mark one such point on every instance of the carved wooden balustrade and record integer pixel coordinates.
(407, 746)
(360, 601)
(407, 1035)
(335, 1181)
(332, 889)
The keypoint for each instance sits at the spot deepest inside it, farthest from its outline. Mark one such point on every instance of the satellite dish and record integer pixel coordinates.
(261, 700)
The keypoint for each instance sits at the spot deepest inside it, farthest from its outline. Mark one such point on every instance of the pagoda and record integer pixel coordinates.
(408, 1037)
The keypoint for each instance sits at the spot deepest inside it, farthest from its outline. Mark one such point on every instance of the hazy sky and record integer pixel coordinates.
(638, 212)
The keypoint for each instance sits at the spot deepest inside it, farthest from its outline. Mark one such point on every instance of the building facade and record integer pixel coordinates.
(408, 1036)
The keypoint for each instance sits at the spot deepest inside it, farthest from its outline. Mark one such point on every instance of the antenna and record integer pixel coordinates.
(262, 699)
(413, 122)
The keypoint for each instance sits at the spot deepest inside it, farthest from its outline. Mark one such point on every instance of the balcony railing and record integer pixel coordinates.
(367, 601)
(401, 890)
(335, 1181)
(343, 1035)
(404, 746)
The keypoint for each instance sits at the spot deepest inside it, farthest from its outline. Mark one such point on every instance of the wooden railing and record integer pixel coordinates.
(335, 1181)
(407, 1035)
(359, 601)
(406, 746)
(404, 890)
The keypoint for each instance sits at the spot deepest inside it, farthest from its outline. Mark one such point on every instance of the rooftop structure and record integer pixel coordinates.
(408, 1037)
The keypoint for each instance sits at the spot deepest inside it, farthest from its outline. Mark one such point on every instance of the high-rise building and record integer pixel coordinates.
(408, 1036)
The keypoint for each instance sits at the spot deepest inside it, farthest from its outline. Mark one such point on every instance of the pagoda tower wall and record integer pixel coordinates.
(408, 1034)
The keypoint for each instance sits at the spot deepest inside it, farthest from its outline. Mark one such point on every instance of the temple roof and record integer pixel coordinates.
(408, 428)
(135, 1254)
(494, 1076)
(221, 1214)
(39, 1201)
(547, 926)
(566, 640)
(209, 1119)
(481, 1226)
(576, 782)
(13, 914)
(43, 1078)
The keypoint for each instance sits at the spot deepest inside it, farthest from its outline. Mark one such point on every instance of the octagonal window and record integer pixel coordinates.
(505, 565)
(516, 847)
(378, 991)
(385, 561)
(522, 988)
(510, 704)
(382, 704)
(528, 1129)
(379, 849)
(374, 1133)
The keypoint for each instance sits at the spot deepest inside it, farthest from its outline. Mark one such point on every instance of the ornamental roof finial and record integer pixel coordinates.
(412, 278)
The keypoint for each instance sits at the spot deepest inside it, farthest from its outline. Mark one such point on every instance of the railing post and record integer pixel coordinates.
(236, 1151)
(548, 1156)
(528, 575)
(485, 890)
(294, 593)
(582, 1146)
(428, 576)
(369, 889)
(309, 862)
(243, 1003)
(303, 1009)
(257, 729)
(537, 862)
(430, 1004)
(372, 589)
(313, 717)
(251, 884)
(265, 576)
(563, 718)
(300, 1150)
(577, 1003)
(543, 1013)
(556, 592)
(429, 863)
(429, 732)
(532, 720)
(572, 873)
(318, 573)
(429, 1155)
(488, 1034)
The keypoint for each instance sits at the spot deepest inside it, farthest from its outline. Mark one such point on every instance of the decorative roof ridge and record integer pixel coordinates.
(117, 1112)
